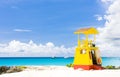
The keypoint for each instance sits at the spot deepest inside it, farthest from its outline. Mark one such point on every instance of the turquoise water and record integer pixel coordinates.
(46, 61)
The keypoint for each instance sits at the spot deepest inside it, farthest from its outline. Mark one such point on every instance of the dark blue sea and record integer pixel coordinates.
(47, 61)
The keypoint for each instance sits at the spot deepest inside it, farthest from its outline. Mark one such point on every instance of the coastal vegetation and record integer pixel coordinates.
(111, 67)
(6, 69)
(105, 67)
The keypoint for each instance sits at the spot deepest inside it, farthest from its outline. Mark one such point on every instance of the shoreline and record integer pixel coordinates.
(61, 71)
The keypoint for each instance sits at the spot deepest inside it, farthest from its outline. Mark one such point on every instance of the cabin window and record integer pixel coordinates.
(83, 51)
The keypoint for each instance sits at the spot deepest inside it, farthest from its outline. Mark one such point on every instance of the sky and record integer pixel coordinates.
(45, 27)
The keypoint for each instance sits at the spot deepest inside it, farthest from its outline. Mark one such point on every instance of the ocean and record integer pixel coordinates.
(47, 61)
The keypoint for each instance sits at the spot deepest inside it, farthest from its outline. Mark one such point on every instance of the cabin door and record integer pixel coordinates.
(93, 57)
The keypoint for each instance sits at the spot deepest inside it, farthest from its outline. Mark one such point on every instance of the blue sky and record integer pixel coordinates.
(47, 20)
(45, 27)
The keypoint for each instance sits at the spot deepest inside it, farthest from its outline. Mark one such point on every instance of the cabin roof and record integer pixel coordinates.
(90, 30)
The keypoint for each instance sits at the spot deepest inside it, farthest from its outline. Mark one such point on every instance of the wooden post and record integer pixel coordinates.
(78, 40)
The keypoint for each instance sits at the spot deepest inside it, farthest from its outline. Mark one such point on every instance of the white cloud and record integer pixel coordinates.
(109, 38)
(99, 18)
(22, 30)
(17, 48)
(105, 1)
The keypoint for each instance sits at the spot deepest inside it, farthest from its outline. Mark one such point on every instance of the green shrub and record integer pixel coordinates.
(6, 69)
(69, 65)
(21, 67)
(109, 67)
(3, 69)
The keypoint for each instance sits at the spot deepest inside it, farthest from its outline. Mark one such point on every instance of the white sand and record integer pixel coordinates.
(61, 71)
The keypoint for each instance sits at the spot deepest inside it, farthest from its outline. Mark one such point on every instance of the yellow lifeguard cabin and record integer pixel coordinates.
(87, 55)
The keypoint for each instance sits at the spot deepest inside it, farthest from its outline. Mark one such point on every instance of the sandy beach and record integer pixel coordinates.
(61, 71)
